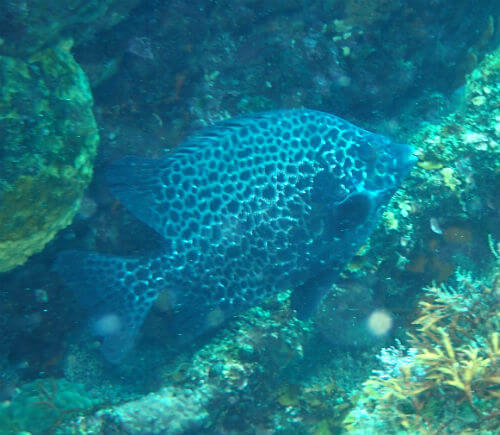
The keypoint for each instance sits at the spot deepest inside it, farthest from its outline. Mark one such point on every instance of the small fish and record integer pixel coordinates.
(246, 208)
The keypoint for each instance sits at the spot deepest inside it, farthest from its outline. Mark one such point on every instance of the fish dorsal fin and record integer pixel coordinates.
(136, 182)
(213, 134)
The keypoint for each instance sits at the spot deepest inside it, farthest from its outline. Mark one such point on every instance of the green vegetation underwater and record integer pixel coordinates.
(249, 217)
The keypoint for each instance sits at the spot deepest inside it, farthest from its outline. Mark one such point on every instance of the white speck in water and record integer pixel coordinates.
(435, 227)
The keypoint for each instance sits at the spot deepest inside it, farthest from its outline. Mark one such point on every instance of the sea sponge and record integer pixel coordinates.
(49, 140)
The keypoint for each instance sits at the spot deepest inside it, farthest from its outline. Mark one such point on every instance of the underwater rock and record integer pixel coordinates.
(238, 371)
(351, 55)
(49, 140)
(455, 184)
(28, 26)
(464, 196)
(169, 411)
(349, 316)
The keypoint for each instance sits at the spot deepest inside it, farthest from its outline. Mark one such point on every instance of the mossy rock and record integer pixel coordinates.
(47, 147)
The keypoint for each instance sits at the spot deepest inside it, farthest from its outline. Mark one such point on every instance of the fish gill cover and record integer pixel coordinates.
(247, 208)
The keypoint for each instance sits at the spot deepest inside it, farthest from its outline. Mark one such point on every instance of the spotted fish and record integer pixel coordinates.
(245, 209)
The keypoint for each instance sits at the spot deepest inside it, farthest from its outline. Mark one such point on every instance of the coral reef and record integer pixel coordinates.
(265, 371)
(49, 142)
(449, 205)
(448, 381)
(238, 367)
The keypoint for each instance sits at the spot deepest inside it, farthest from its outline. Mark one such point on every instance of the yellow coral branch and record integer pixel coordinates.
(447, 343)
(495, 346)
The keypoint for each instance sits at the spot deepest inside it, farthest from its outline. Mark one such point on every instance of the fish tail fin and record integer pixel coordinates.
(118, 293)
